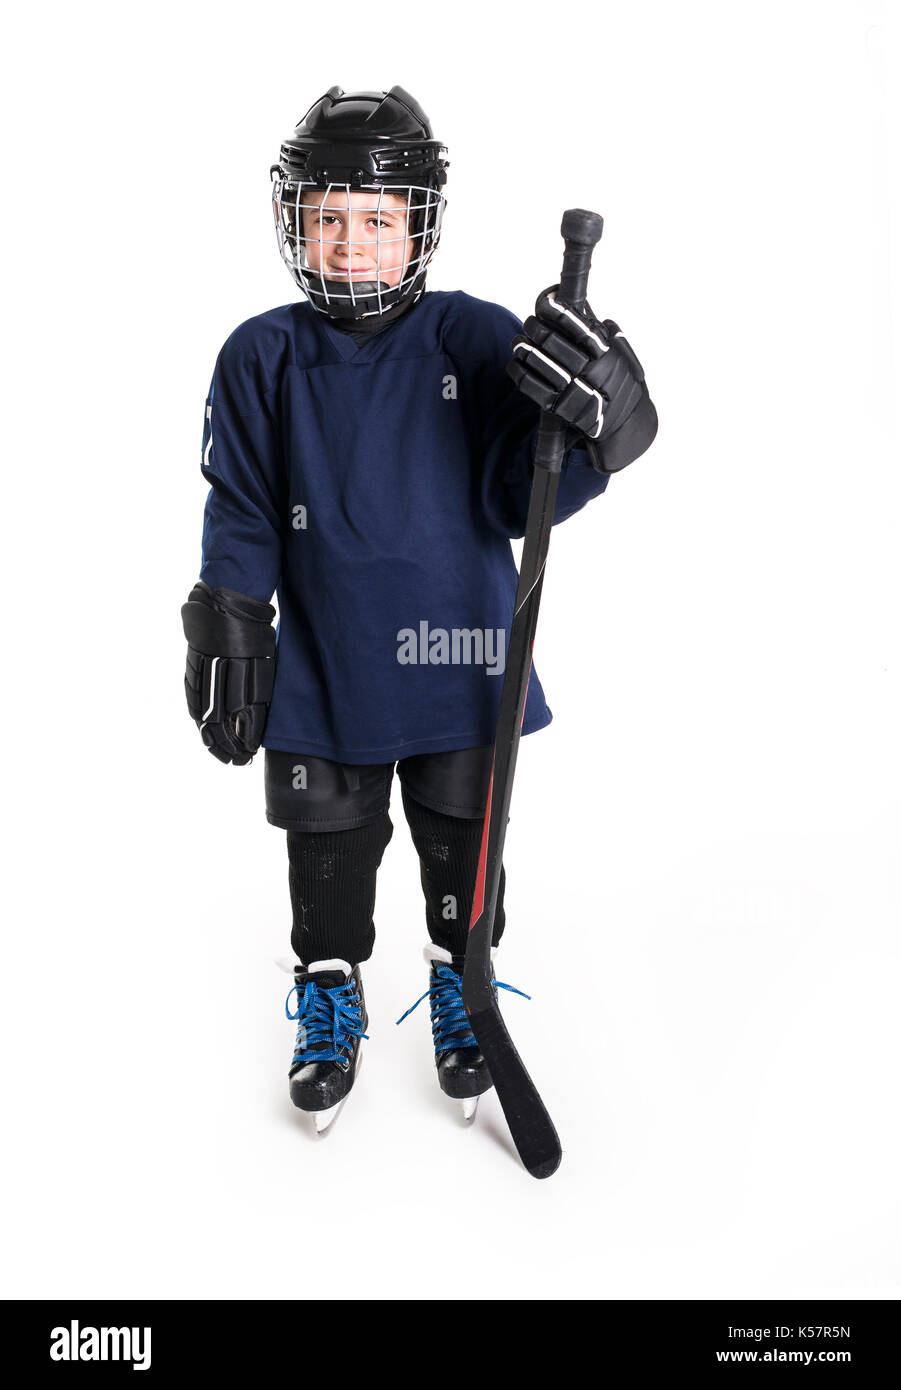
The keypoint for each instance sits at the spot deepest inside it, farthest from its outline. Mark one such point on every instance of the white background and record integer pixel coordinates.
(703, 877)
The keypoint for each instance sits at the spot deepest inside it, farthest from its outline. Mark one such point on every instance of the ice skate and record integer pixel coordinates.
(331, 1016)
(462, 1070)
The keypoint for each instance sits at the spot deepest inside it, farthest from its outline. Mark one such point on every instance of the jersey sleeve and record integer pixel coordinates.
(506, 422)
(242, 461)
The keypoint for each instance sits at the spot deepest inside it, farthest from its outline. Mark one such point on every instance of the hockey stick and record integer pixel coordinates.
(530, 1125)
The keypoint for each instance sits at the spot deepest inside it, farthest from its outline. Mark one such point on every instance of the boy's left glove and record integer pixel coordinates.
(578, 367)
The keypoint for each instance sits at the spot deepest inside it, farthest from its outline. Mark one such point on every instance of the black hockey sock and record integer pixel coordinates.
(331, 875)
(448, 848)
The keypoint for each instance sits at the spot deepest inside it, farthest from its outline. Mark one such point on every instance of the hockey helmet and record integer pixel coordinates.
(355, 153)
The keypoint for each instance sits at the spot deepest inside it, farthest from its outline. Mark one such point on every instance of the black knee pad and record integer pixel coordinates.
(332, 879)
(448, 849)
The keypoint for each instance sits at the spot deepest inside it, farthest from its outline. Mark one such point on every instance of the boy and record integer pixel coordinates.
(369, 456)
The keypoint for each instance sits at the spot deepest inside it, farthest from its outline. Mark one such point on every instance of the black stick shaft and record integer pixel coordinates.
(530, 1125)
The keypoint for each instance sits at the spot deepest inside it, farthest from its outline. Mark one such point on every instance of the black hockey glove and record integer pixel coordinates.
(581, 369)
(230, 671)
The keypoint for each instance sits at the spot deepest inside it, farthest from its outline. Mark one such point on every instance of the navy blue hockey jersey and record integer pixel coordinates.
(375, 488)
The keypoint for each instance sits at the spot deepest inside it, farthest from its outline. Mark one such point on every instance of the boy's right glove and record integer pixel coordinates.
(230, 670)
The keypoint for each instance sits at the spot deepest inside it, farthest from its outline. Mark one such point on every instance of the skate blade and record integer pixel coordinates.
(324, 1119)
(469, 1108)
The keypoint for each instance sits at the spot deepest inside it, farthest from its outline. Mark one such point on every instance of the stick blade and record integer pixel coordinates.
(530, 1125)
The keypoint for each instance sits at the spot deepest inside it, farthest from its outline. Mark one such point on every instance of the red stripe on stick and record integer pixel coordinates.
(478, 897)
(528, 678)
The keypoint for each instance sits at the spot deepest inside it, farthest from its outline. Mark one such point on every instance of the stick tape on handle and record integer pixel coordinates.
(581, 232)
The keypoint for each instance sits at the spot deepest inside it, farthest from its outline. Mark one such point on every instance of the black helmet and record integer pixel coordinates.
(348, 145)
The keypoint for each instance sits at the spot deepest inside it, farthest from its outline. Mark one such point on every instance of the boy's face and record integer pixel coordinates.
(356, 236)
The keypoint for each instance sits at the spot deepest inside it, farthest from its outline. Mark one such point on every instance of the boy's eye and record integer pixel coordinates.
(314, 219)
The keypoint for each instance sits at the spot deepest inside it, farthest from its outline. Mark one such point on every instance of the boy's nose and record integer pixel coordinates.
(351, 248)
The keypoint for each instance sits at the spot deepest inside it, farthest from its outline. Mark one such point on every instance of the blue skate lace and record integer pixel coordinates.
(450, 1026)
(328, 1021)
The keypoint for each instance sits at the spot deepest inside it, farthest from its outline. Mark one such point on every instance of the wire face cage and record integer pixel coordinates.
(356, 249)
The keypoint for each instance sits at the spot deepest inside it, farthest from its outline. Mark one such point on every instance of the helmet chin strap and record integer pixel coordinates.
(339, 305)
(333, 300)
